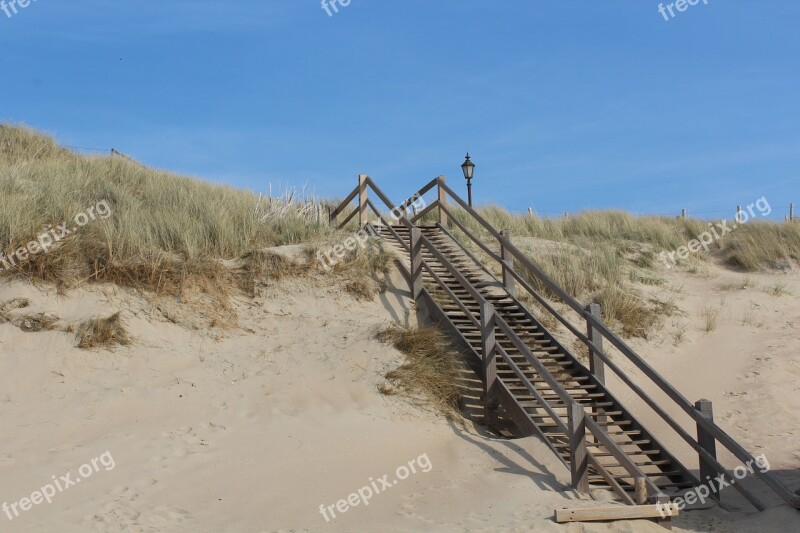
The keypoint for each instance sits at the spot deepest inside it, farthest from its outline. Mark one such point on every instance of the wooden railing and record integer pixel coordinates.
(517, 271)
(577, 426)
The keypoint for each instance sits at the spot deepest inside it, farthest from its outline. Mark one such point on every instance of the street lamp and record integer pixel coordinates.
(469, 169)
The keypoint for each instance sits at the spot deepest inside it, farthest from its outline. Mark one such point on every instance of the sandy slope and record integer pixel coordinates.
(251, 429)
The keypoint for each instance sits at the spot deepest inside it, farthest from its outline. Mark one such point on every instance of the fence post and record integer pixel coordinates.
(442, 202)
(578, 460)
(683, 213)
(491, 393)
(362, 200)
(791, 212)
(331, 218)
(738, 213)
(415, 281)
(596, 364)
(508, 262)
(706, 441)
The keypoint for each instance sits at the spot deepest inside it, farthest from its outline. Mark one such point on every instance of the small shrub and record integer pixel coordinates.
(102, 332)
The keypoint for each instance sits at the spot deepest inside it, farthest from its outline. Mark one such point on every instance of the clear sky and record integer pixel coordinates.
(565, 105)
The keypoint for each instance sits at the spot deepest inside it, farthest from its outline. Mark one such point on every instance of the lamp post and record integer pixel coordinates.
(469, 169)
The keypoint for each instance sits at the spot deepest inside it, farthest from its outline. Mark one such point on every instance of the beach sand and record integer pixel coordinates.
(252, 428)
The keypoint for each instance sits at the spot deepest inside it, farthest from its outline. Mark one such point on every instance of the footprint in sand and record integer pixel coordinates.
(187, 440)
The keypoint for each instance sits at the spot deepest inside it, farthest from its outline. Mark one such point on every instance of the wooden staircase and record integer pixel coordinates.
(528, 376)
(527, 409)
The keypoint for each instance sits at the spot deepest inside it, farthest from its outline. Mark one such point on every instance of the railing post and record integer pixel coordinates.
(362, 200)
(491, 393)
(706, 441)
(442, 202)
(416, 264)
(578, 458)
(508, 261)
(596, 364)
(640, 490)
(331, 218)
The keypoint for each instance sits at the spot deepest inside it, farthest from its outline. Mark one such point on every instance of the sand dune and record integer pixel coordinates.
(252, 428)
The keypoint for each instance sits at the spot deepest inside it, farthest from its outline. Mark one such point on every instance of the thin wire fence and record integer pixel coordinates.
(778, 213)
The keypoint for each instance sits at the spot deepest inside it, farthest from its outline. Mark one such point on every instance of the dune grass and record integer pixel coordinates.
(168, 232)
(164, 229)
(430, 375)
(613, 257)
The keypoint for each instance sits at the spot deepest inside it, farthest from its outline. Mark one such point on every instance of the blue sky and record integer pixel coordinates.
(565, 106)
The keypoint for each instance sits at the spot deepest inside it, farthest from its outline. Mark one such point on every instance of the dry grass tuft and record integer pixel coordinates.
(710, 316)
(429, 376)
(679, 335)
(361, 289)
(635, 314)
(751, 319)
(362, 271)
(262, 265)
(779, 289)
(102, 332)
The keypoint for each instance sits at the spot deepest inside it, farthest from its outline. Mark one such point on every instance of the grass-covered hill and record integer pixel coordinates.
(162, 228)
(159, 231)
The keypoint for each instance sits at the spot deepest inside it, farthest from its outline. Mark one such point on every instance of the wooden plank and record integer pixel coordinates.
(596, 366)
(622, 457)
(706, 441)
(453, 297)
(578, 454)
(442, 200)
(425, 188)
(491, 398)
(388, 203)
(424, 212)
(378, 213)
(612, 482)
(521, 257)
(342, 205)
(508, 263)
(616, 512)
(534, 392)
(416, 264)
(348, 219)
(362, 200)
(462, 280)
